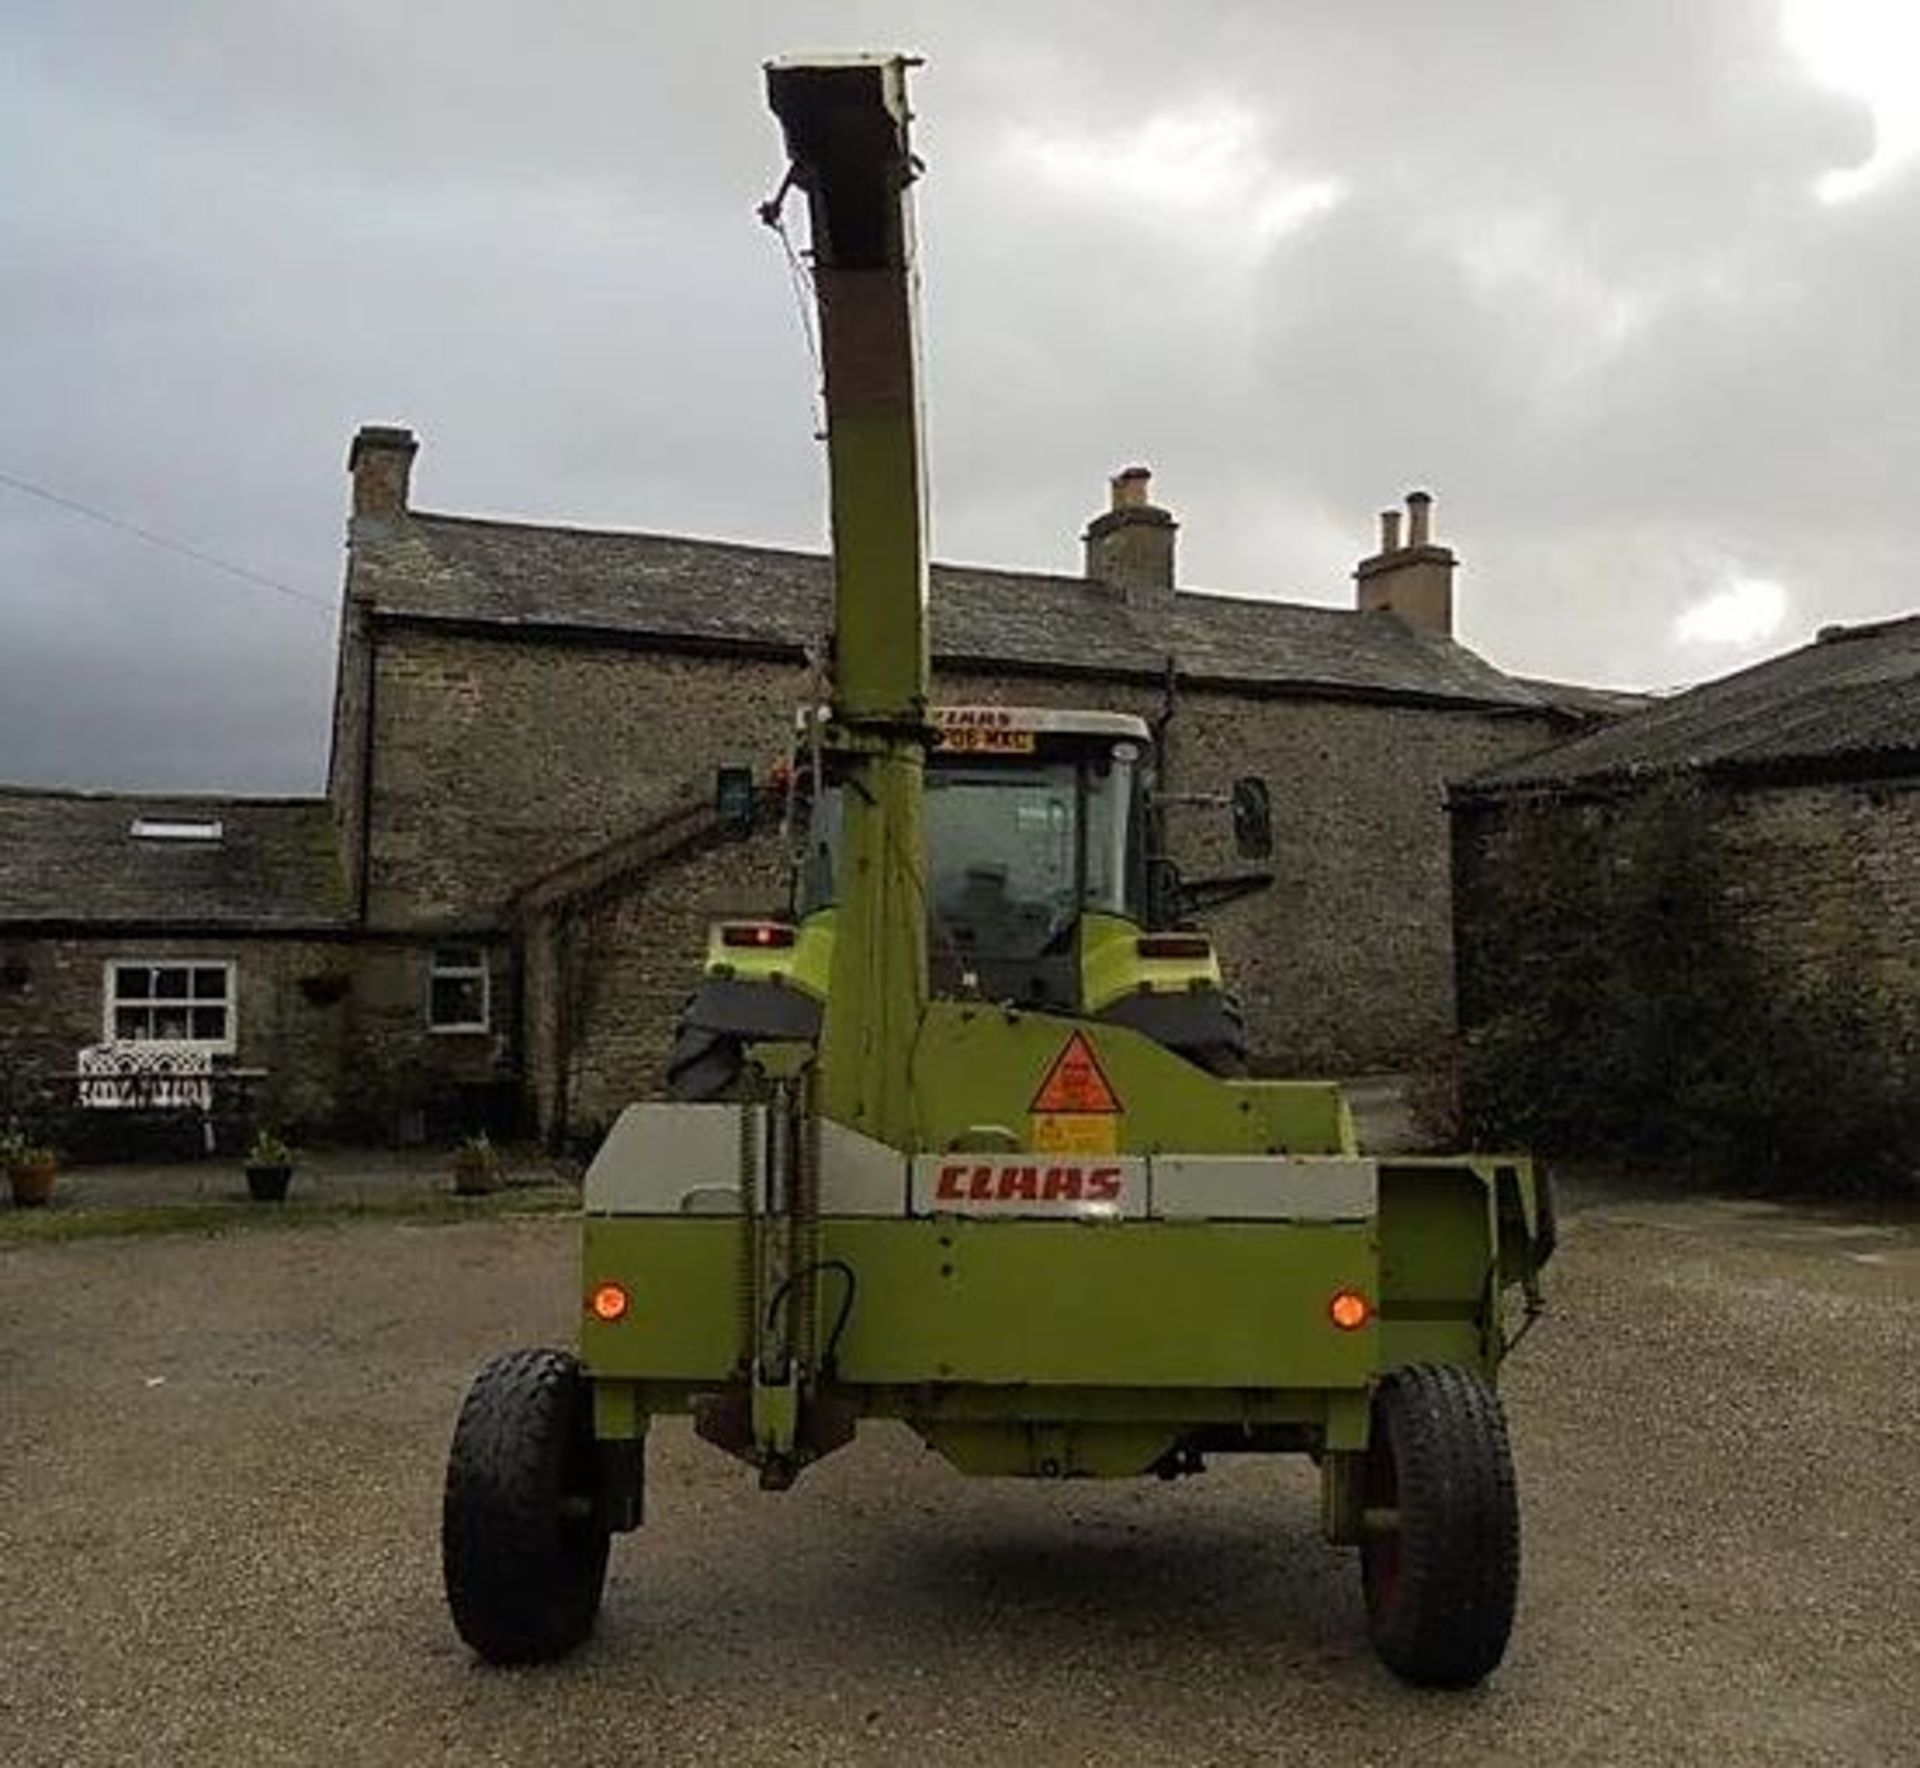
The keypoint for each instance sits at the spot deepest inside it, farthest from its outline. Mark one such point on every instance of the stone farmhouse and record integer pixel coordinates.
(498, 905)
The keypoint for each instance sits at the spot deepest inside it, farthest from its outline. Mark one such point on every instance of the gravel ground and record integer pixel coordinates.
(218, 1513)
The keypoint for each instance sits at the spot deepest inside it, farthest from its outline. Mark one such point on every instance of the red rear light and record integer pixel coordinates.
(609, 1302)
(1174, 945)
(1349, 1310)
(757, 935)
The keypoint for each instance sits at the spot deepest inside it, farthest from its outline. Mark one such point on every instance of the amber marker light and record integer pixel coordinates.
(1349, 1310)
(608, 1302)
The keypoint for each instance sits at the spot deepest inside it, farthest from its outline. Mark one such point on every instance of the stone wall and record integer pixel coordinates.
(1728, 974)
(1348, 960)
(347, 754)
(498, 759)
(339, 1025)
(617, 970)
(1819, 884)
(400, 1080)
(57, 1006)
(1826, 885)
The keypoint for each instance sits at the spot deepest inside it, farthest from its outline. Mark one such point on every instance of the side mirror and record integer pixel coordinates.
(1252, 818)
(733, 800)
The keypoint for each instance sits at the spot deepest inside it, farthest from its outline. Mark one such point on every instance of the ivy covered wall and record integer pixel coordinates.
(1716, 976)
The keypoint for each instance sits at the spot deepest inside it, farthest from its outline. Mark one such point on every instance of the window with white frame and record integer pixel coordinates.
(457, 989)
(171, 1001)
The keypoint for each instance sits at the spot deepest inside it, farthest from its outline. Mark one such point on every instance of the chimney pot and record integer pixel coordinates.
(380, 463)
(1129, 545)
(1419, 517)
(1413, 582)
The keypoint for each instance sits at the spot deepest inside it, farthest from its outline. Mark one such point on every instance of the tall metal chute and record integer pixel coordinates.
(845, 123)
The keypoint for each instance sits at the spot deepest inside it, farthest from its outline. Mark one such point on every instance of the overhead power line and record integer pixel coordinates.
(165, 542)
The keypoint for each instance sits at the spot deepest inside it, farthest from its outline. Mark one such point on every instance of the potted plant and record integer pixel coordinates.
(269, 1168)
(476, 1167)
(31, 1170)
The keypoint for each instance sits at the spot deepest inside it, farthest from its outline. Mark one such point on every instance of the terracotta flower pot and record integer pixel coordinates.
(475, 1176)
(33, 1184)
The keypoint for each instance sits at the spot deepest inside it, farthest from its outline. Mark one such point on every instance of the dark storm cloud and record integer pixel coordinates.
(1562, 264)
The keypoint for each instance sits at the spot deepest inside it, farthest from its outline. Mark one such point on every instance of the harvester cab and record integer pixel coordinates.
(1040, 1237)
(1049, 887)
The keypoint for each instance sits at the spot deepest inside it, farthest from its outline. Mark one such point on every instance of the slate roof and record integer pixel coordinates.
(1589, 704)
(69, 859)
(1849, 703)
(672, 590)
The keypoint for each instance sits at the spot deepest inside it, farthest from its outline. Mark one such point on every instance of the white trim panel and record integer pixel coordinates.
(668, 1159)
(1072, 1187)
(662, 1159)
(859, 1176)
(1254, 1188)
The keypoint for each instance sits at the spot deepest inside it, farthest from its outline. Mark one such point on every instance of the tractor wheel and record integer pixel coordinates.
(1441, 1571)
(523, 1558)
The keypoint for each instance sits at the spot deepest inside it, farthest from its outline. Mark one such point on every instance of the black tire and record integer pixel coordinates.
(523, 1558)
(1440, 1588)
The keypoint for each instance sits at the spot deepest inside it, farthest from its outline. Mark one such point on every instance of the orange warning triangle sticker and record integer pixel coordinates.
(1077, 1083)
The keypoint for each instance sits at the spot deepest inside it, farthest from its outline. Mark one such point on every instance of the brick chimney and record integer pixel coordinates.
(1414, 580)
(380, 463)
(1130, 544)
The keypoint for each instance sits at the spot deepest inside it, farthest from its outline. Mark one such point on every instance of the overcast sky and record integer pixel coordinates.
(1632, 288)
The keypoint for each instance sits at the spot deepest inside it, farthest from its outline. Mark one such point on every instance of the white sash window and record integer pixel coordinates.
(457, 989)
(170, 1001)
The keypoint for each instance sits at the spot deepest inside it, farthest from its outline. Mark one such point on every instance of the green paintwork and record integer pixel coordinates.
(1111, 966)
(880, 574)
(978, 1066)
(1044, 1349)
(776, 1413)
(807, 964)
(1137, 1304)
(686, 1320)
(878, 987)
(1126, 1304)
(618, 1416)
(1144, 1329)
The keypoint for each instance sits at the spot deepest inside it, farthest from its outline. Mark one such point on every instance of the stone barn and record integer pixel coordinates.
(1696, 933)
(515, 860)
